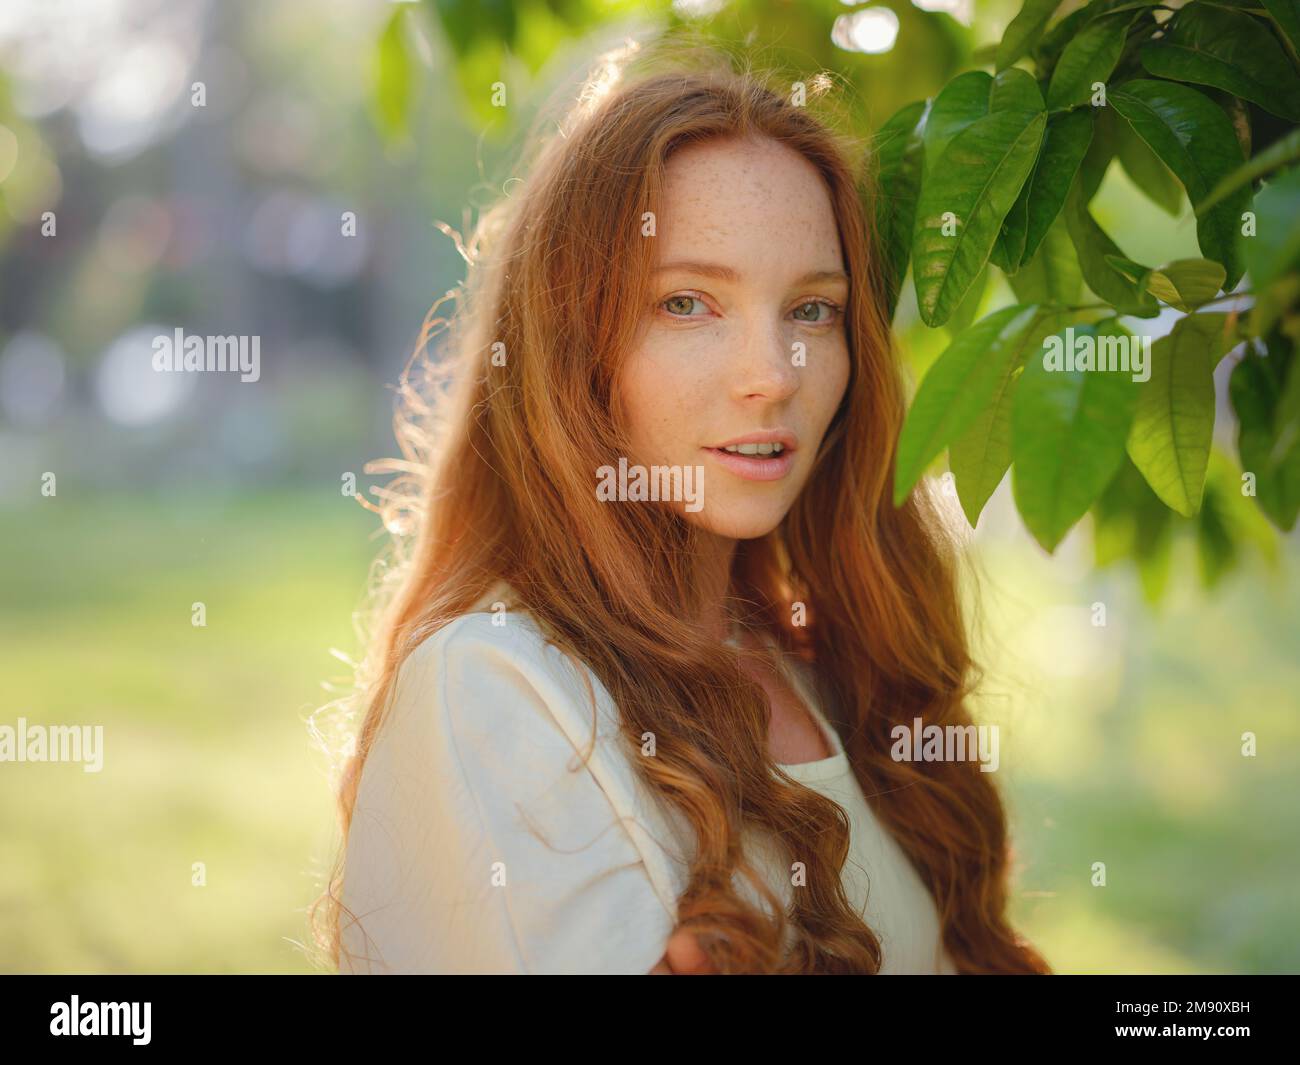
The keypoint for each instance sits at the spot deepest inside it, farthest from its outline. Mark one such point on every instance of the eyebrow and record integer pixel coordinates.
(726, 273)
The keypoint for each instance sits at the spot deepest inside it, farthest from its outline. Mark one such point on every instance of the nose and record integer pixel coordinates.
(765, 365)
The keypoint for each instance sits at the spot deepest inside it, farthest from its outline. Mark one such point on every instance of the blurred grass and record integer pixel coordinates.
(206, 756)
(1122, 744)
(1119, 744)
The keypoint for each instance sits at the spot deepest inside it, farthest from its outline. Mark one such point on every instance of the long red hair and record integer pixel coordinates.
(497, 483)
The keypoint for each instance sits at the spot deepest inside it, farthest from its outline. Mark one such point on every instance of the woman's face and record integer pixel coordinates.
(744, 348)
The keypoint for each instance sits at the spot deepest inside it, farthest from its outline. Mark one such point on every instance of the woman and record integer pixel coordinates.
(637, 676)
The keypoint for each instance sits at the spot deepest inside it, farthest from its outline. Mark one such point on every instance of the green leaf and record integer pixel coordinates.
(1216, 548)
(1065, 142)
(467, 22)
(968, 310)
(1068, 430)
(961, 102)
(1234, 517)
(1110, 7)
(1090, 57)
(974, 186)
(1052, 274)
(1015, 90)
(1009, 247)
(1129, 520)
(1232, 51)
(979, 457)
(1093, 246)
(1267, 440)
(1245, 520)
(1024, 30)
(1272, 302)
(1146, 171)
(1275, 248)
(1174, 422)
(1277, 155)
(1195, 139)
(1100, 153)
(1286, 13)
(394, 76)
(483, 35)
(1185, 283)
(957, 387)
(898, 151)
(1134, 271)
(1047, 52)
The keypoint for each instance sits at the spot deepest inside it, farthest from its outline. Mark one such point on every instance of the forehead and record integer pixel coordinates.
(750, 195)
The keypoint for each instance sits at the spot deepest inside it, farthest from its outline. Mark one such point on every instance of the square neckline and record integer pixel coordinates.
(836, 764)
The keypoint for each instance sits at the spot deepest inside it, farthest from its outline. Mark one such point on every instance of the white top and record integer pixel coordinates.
(478, 767)
(879, 879)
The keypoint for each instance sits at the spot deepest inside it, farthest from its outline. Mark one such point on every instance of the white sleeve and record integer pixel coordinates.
(480, 842)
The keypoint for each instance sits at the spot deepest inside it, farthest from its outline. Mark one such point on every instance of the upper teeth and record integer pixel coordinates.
(755, 449)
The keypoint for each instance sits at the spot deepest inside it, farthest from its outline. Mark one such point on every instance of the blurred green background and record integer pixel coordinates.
(1120, 743)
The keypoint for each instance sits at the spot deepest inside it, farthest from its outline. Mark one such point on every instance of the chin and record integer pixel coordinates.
(739, 520)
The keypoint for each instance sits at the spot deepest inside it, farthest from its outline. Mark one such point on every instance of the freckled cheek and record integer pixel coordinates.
(667, 390)
(826, 390)
(670, 389)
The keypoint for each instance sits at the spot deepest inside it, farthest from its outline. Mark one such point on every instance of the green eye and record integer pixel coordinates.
(680, 305)
(817, 308)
